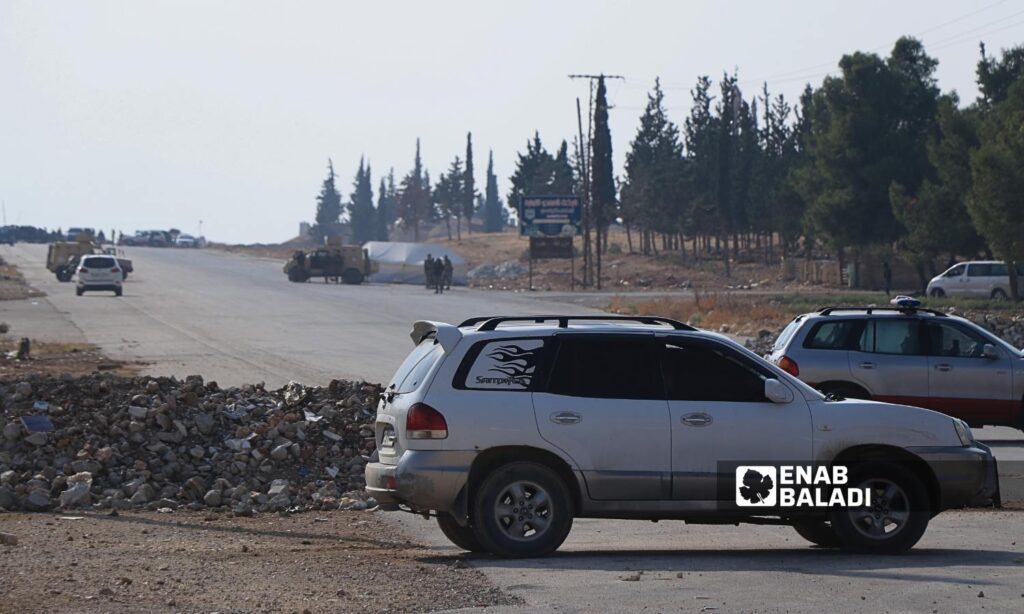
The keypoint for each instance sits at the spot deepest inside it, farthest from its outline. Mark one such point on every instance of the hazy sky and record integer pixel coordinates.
(149, 114)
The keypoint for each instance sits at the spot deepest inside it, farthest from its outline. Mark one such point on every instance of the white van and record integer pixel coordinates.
(980, 278)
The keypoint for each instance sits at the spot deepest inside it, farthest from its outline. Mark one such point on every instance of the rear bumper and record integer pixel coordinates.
(967, 477)
(422, 479)
(106, 285)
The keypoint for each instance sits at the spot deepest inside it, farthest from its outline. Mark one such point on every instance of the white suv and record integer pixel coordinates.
(980, 279)
(509, 427)
(98, 272)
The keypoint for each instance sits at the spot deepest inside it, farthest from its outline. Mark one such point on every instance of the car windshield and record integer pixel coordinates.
(100, 262)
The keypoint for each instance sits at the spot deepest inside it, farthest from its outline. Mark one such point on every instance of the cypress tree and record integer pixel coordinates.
(468, 197)
(361, 212)
(381, 214)
(603, 185)
(492, 203)
(328, 205)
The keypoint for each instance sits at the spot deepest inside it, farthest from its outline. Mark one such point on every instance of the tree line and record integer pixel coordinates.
(876, 158)
(410, 203)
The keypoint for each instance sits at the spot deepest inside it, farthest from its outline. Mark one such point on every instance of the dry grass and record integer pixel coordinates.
(13, 285)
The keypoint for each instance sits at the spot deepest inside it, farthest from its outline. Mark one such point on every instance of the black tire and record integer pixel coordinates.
(118, 292)
(79, 291)
(999, 295)
(819, 533)
(124, 275)
(352, 277)
(64, 274)
(937, 293)
(846, 391)
(463, 537)
(905, 497)
(497, 518)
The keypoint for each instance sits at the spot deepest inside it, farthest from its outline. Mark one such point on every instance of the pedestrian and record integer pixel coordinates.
(438, 276)
(428, 271)
(447, 273)
(887, 277)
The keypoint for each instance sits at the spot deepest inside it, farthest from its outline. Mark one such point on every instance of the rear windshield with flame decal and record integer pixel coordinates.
(507, 364)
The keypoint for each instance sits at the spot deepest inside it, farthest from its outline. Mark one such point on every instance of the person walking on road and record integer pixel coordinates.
(428, 271)
(447, 273)
(438, 276)
(887, 278)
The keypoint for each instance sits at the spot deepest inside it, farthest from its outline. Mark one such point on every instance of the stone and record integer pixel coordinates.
(8, 539)
(23, 389)
(204, 423)
(12, 431)
(197, 452)
(38, 501)
(279, 487)
(212, 498)
(279, 502)
(280, 452)
(37, 439)
(78, 494)
(138, 412)
(89, 466)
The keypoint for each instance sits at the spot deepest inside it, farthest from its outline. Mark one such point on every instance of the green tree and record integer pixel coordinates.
(414, 201)
(651, 193)
(533, 175)
(996, 76)
(361, 214)
(700, 138)
(493, 221)
(602, 185)
(381, 214)
(448, 195)
(563, 179)
(468, 197)
(328, 206)
(996, 203)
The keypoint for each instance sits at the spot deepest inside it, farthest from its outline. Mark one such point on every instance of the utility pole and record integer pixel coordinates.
(588, 218)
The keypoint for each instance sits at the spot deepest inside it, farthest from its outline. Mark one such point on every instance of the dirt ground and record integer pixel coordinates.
(200, 562)
(12, 284)
(47, 358)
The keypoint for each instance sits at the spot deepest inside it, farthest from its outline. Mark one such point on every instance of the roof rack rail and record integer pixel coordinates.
(829, 309)
(488, 323)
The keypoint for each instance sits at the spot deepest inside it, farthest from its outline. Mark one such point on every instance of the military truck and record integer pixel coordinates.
(62, 256)
(335, 262)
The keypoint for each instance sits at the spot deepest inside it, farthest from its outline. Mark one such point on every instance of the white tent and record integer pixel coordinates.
(402, 263)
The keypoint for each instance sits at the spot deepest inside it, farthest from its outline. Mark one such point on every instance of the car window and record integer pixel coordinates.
(999, 270)
(834, 335)
(416, 366)
(979, 270)
(99, 263)
(505, 364)
(606, 368)
(787, 333)
(897, 336)
(702, 372)
(954, 341)
(956, 271)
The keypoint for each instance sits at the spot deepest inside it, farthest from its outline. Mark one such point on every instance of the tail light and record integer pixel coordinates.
(115, 270)
(425, 422)
(83, 270)
(789, 365)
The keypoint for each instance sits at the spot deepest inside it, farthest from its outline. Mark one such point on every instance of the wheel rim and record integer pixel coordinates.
(523, 511)
(888, 513)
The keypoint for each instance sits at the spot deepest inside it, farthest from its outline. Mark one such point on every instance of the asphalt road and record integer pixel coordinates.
(236, 319)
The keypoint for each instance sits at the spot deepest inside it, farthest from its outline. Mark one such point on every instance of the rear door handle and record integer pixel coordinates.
(867, 365)
(697, 419)
(943, 367)
(566, 417)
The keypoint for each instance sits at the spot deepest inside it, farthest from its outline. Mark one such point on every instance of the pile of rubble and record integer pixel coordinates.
(506, 270)
(1009, 326)
(105, 441)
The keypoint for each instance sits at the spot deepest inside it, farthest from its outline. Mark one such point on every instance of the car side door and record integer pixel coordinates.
(721, 418)
(963, 381)
(890, 361)
(604, 406)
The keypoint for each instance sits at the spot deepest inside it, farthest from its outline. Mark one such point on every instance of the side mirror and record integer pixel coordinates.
(989, 351)
(777, 392)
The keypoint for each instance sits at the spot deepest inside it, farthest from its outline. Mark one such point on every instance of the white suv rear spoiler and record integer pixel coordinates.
(445, 334)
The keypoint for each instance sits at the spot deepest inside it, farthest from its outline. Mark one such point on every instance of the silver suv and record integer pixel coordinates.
(506, 428)
(909, 355)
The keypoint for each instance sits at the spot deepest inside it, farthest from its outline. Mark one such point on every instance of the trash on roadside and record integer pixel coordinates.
(37, 424)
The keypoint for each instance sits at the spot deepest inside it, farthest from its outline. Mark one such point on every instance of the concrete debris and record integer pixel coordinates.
(162, 443)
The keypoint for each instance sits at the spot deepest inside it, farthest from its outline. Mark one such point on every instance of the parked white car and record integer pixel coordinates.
(186, 241)
(507, 428)
(980, 279)
(98, 272)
